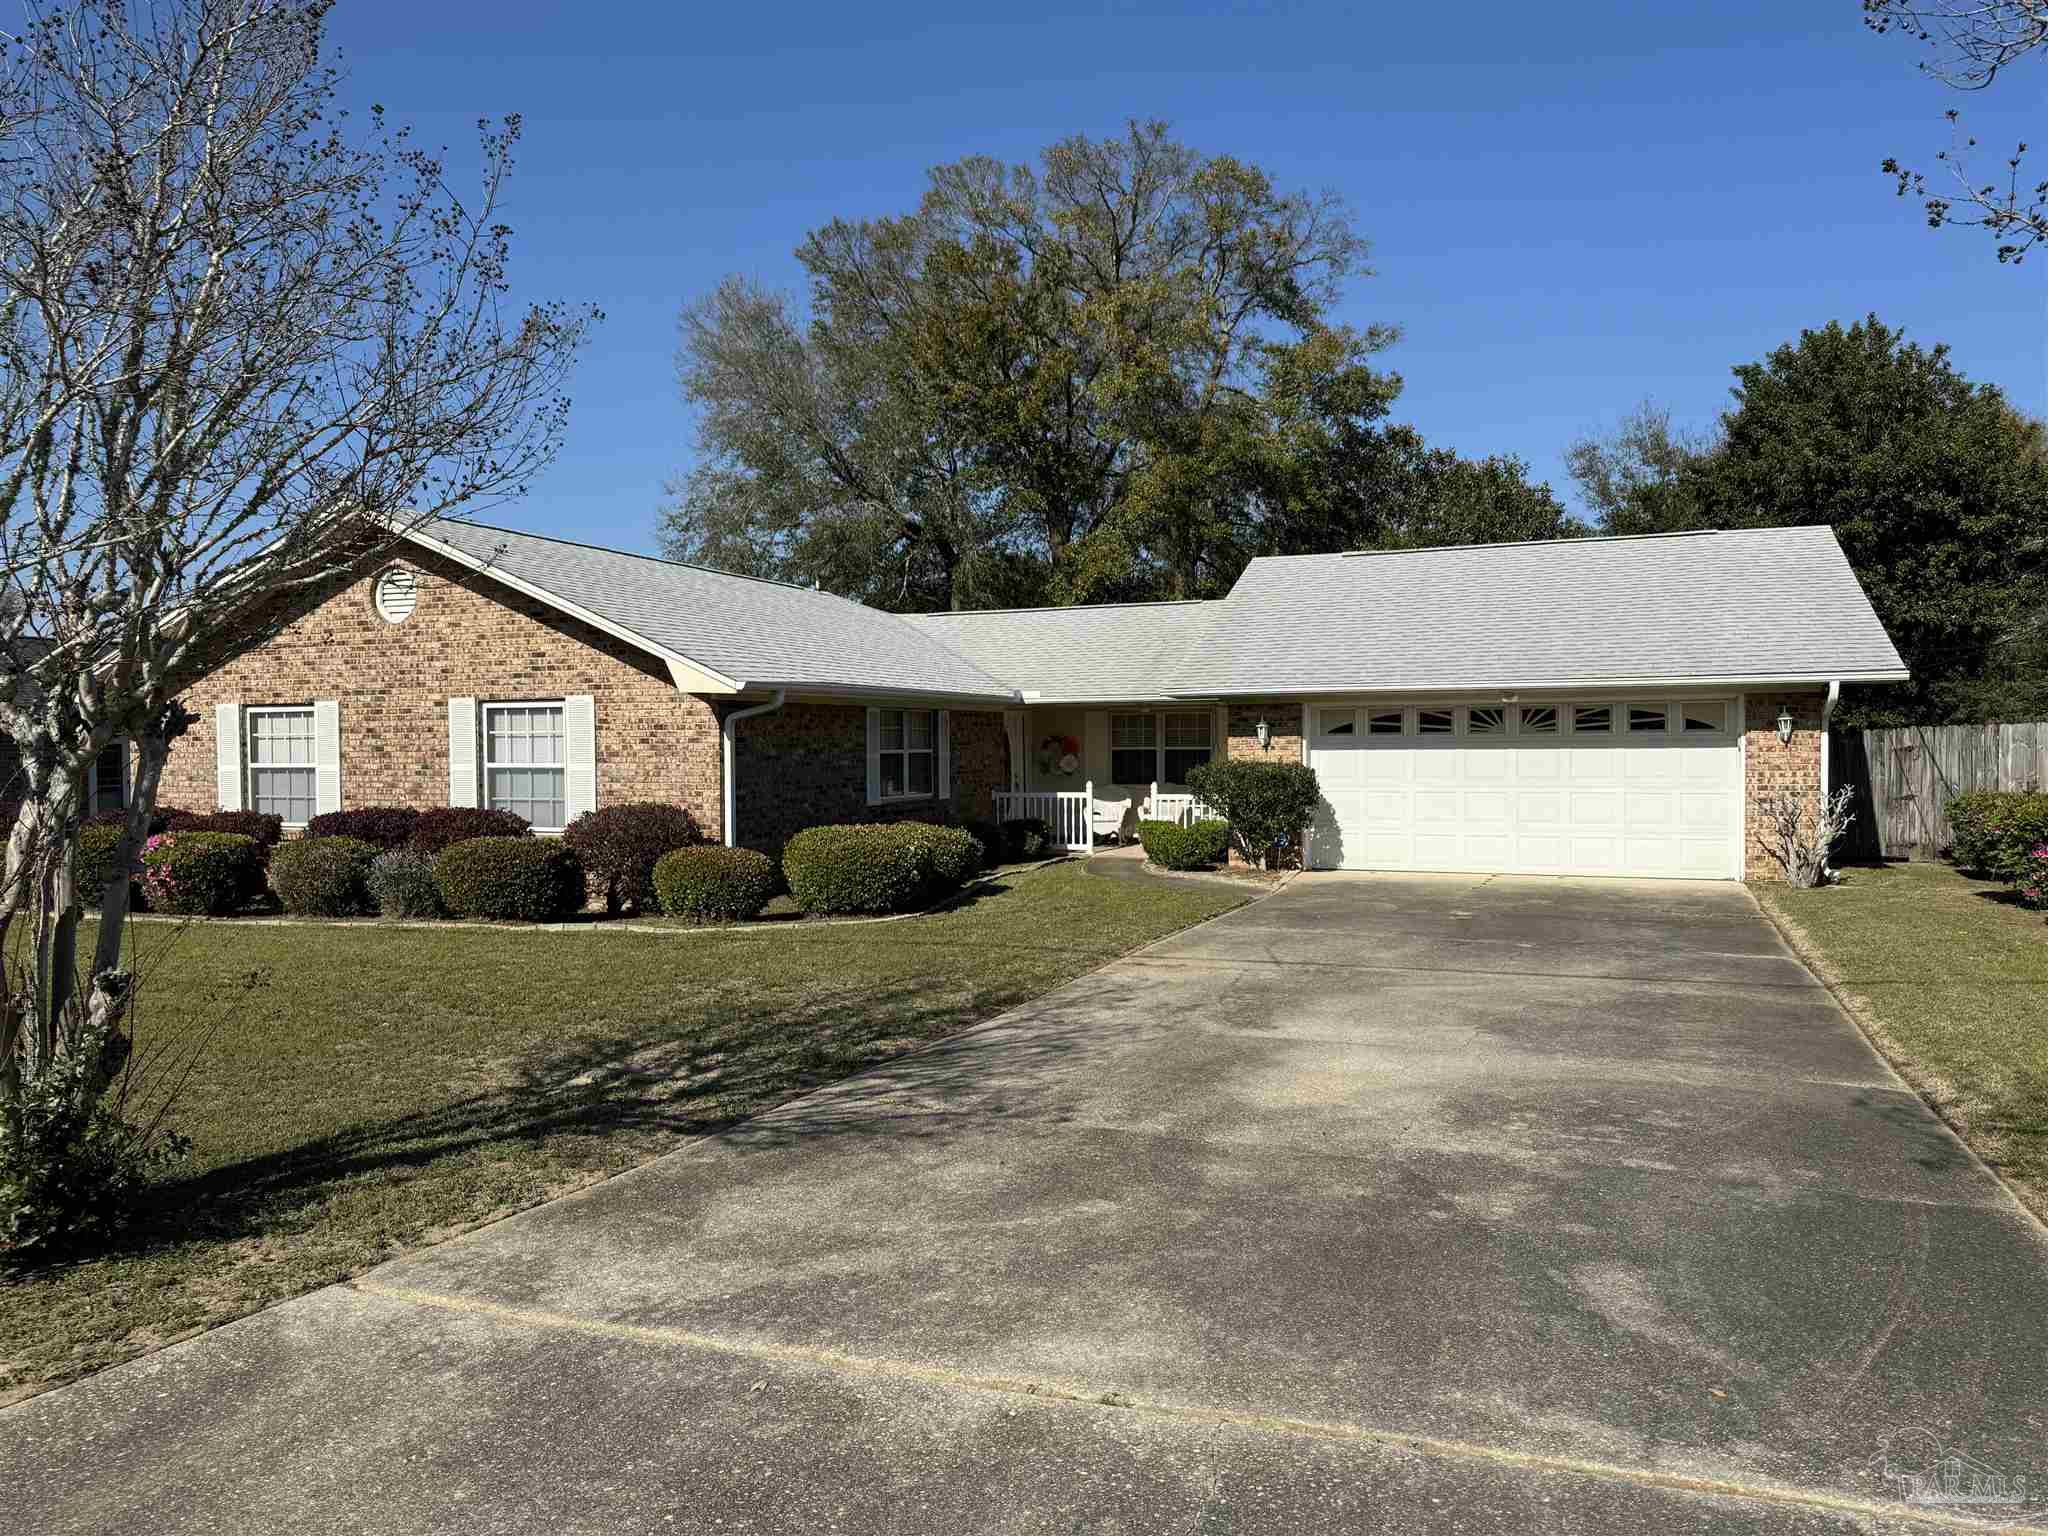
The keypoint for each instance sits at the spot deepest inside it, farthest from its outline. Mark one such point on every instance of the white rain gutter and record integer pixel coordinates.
(1827, 715)
(728, 736)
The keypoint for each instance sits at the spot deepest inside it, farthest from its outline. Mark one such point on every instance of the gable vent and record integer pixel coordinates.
(396, 593)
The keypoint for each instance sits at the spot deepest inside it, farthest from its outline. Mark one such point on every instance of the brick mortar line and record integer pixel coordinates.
(1440, 1447)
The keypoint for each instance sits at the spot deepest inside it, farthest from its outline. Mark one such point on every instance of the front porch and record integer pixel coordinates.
(1080, 822)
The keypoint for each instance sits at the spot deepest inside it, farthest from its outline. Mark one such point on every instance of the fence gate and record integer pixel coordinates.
(1904, 779)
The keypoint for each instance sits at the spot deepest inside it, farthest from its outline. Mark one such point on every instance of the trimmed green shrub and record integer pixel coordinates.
(267, 830)
(864, 867)
(1025, 837)
(1173, 846)
(714, 885)
(401, 884)
(446, 825)
(523, 879)
(1996, 830)
(952, 855)
(206, 874)
(620, 844)
(1268, 805)
(323, 876)
(381, 826)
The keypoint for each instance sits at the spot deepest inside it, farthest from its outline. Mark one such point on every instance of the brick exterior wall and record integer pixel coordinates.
(1283, 723)
(1771, 767)
(806, 765)
(468, 635)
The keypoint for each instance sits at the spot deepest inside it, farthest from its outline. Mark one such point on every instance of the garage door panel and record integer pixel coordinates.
(1632, 803)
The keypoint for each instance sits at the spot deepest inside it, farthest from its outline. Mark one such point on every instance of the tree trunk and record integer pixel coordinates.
(152, 747)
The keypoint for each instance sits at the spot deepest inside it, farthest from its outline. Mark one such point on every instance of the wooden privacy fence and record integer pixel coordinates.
(1904, 779)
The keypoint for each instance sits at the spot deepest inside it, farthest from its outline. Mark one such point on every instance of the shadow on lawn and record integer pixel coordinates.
(655, 1091)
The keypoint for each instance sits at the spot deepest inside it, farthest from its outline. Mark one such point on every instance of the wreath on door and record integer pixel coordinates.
(1059, 754)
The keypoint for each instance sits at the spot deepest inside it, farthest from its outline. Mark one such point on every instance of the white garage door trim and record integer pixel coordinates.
(1647, 784)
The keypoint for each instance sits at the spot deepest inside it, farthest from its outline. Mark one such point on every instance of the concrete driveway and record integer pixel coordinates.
(1384, 1204)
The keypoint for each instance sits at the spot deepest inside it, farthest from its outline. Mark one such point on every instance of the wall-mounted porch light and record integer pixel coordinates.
(1264, 732)
(1785, 726)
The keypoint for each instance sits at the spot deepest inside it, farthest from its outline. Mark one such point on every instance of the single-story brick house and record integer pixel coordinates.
(1594, 706)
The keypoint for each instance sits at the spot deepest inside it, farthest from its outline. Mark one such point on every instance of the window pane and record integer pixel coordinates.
(520, 735)
(892, 774)
(109, 786)
(1435, 722)
(1384, 722)
(1539, 719)
(1705, 717)
(917, 726)
(1133, 766)
(920, 772)
(1339, 722)
(286, 792)
(1646, 717)
(1132, 731)
(1487, 720)
(1180, 759)
(892, 730)
(281, 736)
(535, 793)
(1592, 717)
(1187, 731)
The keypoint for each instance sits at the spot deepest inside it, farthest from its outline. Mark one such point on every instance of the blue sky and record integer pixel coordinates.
(1571, 207)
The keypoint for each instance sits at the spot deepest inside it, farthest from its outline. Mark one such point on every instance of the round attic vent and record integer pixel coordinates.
(396, 592)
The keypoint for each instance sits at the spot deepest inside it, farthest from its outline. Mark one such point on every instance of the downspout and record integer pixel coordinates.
(729, 736)
(1827, 715)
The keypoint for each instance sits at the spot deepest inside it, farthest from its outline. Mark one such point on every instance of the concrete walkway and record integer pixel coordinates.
(1380, 1205)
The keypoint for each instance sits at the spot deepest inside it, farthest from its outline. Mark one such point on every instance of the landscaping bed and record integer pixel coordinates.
(1949, 975)
(385, 1086)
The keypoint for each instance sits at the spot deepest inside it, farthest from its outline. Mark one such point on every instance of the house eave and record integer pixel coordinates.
(1664, 682)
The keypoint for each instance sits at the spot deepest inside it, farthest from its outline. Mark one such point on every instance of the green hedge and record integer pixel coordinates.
(1173, 846)
(323, 876)
(876, 867)
(1996, 829)
(1268, 805)
(523, 879)
(401, 883)
(714, 885)
(201, 873)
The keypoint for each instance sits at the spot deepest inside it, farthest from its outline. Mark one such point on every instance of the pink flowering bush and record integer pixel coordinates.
(2032, 880)
(201, 874)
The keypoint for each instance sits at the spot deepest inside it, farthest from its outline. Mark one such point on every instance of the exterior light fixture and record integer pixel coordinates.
(1265, 733)
(1785, 726)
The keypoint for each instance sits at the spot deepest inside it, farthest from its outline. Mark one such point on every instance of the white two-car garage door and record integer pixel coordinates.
(1649, 786)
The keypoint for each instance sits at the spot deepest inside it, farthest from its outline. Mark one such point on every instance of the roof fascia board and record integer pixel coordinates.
(704, 679)
(1582, 685)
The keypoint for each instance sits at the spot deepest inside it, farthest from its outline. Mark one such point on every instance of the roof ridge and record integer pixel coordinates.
(1159, 602)
(634, 554)
(1570, 541)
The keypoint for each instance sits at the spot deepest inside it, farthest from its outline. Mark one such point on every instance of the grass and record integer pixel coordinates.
(1950, 976)
(366, 1091)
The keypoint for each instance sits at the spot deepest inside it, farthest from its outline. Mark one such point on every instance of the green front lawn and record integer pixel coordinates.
(1955, 976)
(368, 1090)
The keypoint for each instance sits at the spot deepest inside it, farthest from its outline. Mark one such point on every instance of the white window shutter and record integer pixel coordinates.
(579, 725)
(874, 757)
(945, 765)
(326, 756)
(227, 755)
(462, 751)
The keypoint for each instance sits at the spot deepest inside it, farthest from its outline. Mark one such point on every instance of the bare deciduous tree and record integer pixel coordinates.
(1800, 831)
(242, 346)
(1973, 42)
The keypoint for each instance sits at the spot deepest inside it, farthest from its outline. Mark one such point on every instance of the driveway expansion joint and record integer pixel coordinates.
(1415, 1443)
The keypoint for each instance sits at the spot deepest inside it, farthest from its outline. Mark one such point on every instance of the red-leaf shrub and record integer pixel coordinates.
(445, 825)
(383, 827)
(620, 844)
(266, 829)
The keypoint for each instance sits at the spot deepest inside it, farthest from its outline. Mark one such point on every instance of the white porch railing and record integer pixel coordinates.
(1183, 810)
(1065, 811)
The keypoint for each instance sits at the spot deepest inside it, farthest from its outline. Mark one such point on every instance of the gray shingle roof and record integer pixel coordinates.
(758, 633)
(1121, 651)
(1763, 603)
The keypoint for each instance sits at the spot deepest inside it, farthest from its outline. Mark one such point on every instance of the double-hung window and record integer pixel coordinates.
(524, 763)
(908, 753)
(1133, 749)
(1190, 738)
(282, 775)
